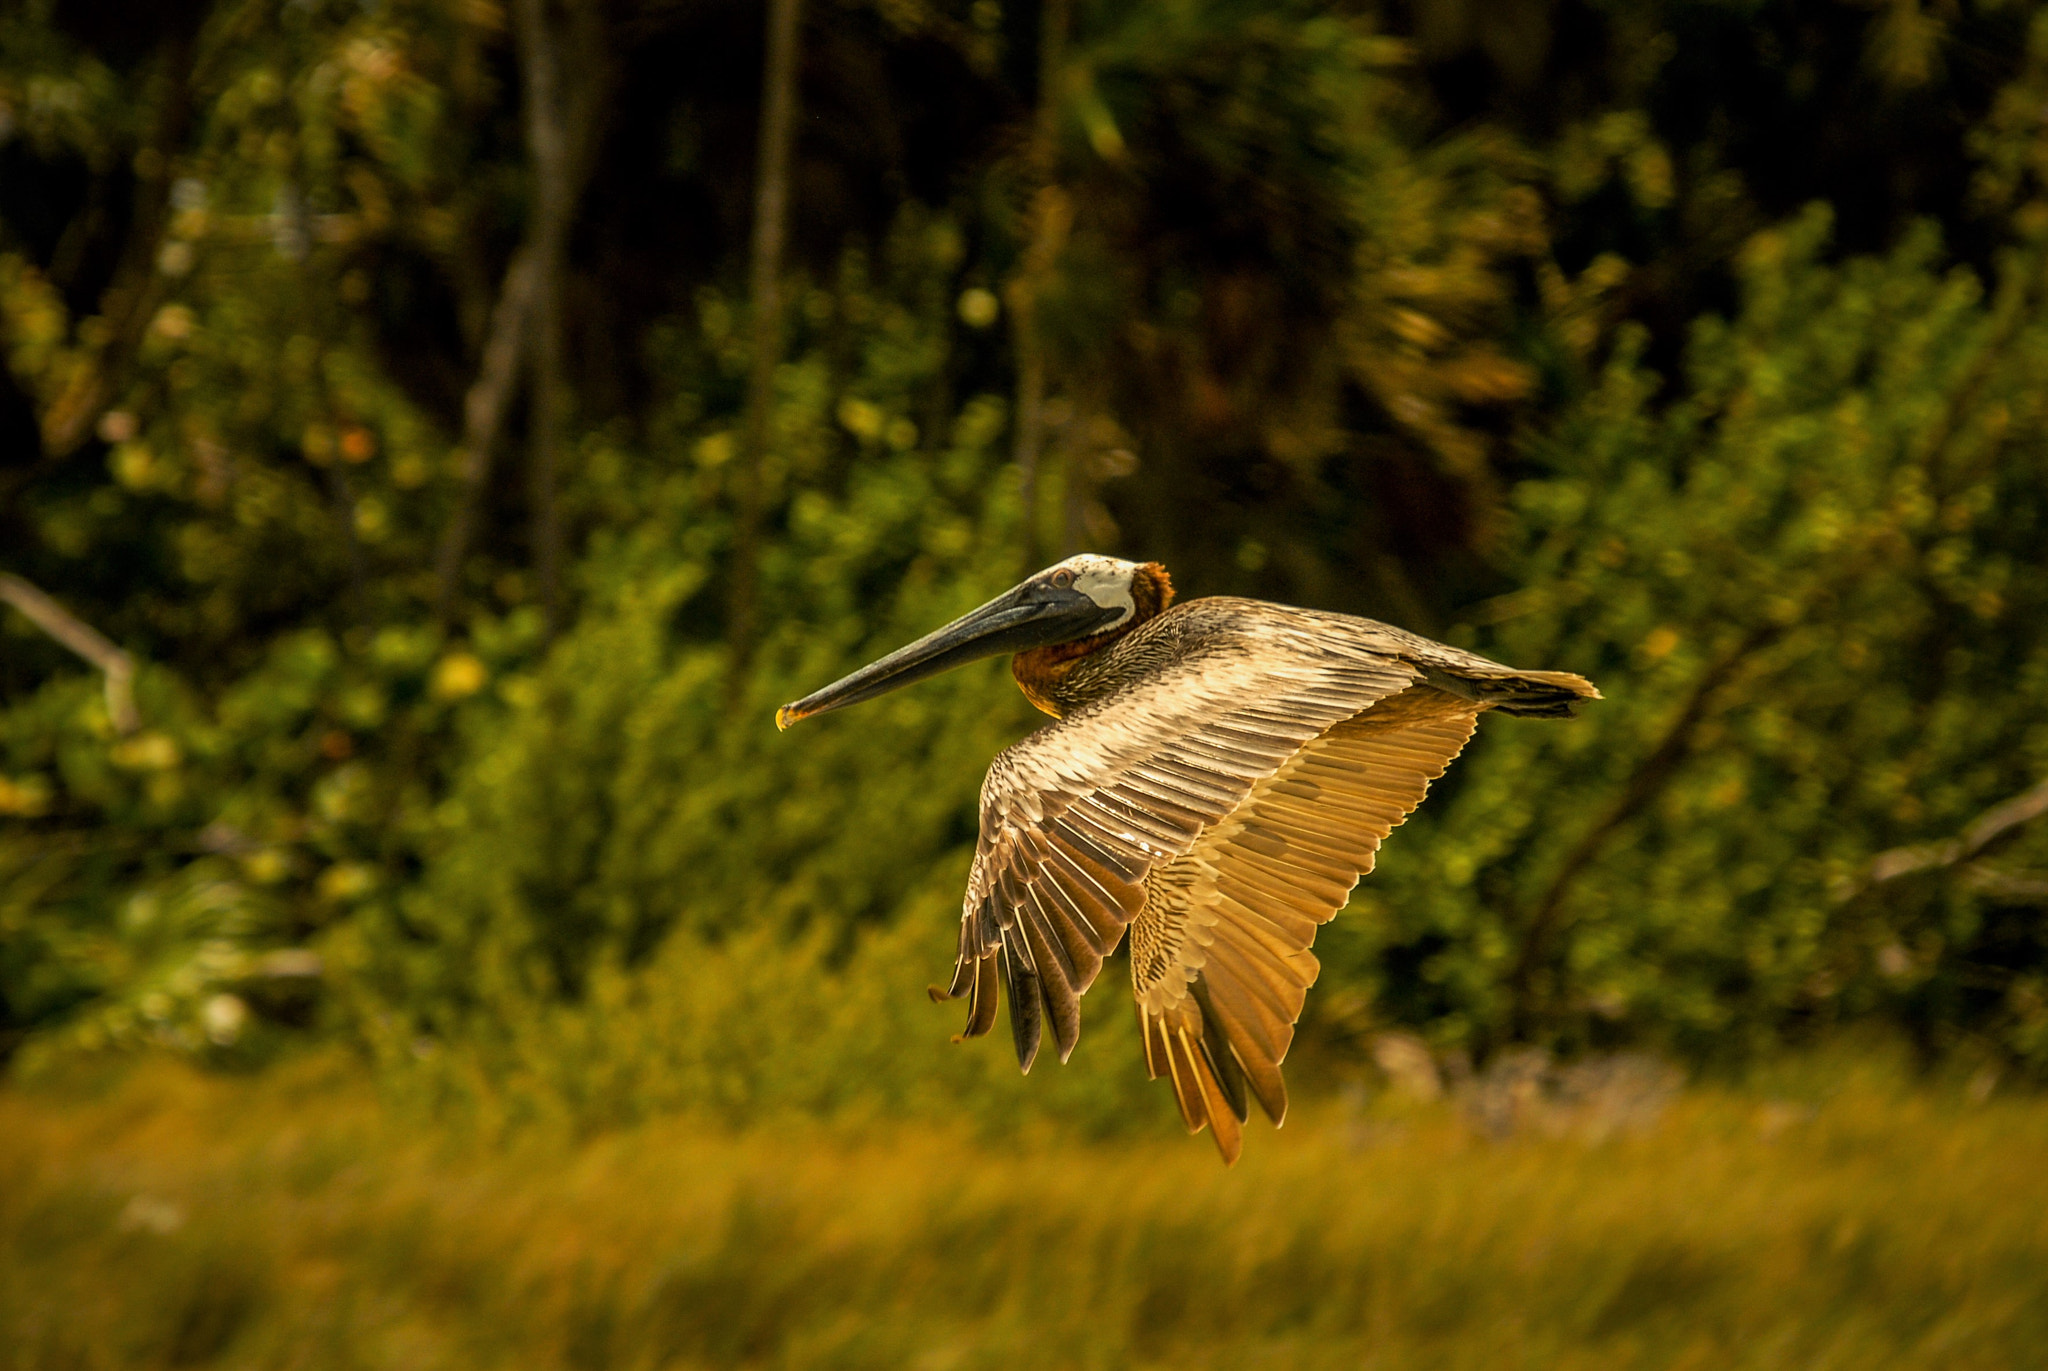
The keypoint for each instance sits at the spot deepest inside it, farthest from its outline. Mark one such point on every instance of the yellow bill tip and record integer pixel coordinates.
(786, 716)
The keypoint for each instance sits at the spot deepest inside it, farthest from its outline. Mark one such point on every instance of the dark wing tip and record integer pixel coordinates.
(1027, 1026)
(1532, 694)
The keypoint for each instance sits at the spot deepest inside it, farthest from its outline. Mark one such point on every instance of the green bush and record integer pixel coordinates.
(1810, 587)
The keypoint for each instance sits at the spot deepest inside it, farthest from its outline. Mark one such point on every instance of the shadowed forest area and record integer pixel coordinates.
(436, 434)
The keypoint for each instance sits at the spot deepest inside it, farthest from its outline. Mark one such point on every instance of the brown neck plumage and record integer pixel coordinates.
(1040, 671)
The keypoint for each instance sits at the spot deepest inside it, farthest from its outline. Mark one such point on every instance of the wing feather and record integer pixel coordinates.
(1227, 925)
(1056, 982)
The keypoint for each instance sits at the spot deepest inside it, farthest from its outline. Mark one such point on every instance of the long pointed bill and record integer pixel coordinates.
(1032, 615)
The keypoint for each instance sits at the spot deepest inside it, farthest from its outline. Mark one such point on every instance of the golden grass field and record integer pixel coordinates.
(1834, 1215)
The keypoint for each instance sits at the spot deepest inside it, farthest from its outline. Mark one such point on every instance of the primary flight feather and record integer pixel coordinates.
(1219, 776)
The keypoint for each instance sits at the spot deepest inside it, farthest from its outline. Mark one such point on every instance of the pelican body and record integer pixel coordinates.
(1220, 774)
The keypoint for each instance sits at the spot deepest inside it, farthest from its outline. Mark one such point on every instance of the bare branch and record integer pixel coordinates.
(1997, 821)
(1986, 829)
(1649, 777)
(2004, 885)
(483, 414)
(563, 104)
(83, 639)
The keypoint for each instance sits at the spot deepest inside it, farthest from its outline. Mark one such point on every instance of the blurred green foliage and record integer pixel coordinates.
(1695, 349)
(1814, 581)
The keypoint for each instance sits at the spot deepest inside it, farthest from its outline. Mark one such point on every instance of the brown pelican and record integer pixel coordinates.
(1220, 774)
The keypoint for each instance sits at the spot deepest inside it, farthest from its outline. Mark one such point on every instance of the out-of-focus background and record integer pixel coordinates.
(434, 434)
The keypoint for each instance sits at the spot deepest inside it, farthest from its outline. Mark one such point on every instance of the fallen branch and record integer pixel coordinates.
(83, 639)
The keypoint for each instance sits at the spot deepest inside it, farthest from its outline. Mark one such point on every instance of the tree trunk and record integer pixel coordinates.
(563, 101)
(547, 144)
(131, 298)
(1049, 217)
(771, 224)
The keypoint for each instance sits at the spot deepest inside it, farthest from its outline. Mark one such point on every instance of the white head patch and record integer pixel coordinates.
(1105, 580)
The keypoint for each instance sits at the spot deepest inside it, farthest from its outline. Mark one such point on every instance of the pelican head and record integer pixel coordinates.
(1079, 598)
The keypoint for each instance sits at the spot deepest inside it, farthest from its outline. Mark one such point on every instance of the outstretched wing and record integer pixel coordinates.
(1219, 956)
(1075, 817)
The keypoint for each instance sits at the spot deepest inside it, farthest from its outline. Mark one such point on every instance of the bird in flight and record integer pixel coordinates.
(1218, 776)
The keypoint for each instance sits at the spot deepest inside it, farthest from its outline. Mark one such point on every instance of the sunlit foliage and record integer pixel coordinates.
(1815, 574)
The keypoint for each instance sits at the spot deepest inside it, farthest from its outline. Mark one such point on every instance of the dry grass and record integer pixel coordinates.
(1829, 1219)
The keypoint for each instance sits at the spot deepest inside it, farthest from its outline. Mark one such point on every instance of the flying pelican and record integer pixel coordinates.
(1220, 774)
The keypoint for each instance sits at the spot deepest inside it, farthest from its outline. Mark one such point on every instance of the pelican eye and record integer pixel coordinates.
(1063, 579)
